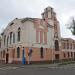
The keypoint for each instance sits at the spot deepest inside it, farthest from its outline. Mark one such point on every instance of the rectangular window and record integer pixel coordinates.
(67, 45)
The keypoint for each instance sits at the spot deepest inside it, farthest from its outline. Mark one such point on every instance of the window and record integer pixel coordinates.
(7, 40)
(71, 54)
(45, 38)
(71, 46)
(74, 46)
(64, 55)
(41, 52)
(64, 45)
(11, 24)
(68, 54)
(67, 45)
(55, 27)
(18, 36)
(41, 37)
(4, 39)
(56, 45)
(56, 35)
(0, 43)
(3, 54)
(10, 37)
(13, 38)
(18, 52)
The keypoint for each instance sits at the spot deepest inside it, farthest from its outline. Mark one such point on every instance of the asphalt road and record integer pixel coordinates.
(36, 70)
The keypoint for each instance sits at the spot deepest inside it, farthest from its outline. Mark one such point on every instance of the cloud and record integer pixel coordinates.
(11, 9)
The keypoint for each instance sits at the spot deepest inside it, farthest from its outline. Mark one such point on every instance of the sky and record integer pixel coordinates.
(10, 9)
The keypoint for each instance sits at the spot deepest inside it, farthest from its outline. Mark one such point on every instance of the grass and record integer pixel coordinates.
(67, 62)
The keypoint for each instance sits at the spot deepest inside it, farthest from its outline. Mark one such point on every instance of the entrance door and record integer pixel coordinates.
(7, 58)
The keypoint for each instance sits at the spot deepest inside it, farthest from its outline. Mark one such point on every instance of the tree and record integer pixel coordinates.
(72, 26)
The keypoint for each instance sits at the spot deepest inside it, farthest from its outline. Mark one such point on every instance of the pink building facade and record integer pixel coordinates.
(39, 38)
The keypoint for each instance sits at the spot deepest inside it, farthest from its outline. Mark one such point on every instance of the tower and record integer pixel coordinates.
(47, 13)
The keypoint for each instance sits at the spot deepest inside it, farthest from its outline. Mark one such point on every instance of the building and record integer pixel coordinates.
(68, 48)
(41, 35)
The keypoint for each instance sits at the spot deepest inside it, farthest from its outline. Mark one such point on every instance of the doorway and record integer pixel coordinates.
(7, 58)
(57, 56)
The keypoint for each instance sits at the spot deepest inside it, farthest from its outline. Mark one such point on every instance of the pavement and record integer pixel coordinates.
(45, 69)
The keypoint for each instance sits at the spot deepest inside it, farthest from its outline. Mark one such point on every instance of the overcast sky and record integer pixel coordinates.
(10, 9)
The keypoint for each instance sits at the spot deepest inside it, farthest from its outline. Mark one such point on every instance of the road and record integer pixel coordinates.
(36, 70)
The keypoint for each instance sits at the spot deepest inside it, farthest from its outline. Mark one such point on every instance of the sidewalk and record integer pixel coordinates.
(31, 65)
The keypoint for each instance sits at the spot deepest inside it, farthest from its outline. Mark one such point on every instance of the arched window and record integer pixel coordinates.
(56, 45)
(18, 52)
(4, 39)
(7, 40)
(13, 37)
(0, 43)
(19, 34)
(1, 54)
(41, 52)
(10, 37)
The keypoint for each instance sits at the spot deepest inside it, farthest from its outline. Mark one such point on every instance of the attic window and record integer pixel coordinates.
(11, 24)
